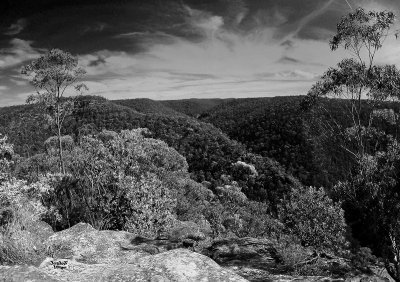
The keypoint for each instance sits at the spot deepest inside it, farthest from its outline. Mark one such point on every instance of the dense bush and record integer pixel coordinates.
(151, 205)
(315, 219)
(116, 181)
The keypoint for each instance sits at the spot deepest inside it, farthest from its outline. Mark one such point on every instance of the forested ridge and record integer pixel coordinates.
(224, 131)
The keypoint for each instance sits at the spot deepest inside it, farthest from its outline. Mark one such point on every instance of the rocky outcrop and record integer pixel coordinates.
(179, 265)
(176, 265)
(82, 253)
(83, 243)
(258, 260)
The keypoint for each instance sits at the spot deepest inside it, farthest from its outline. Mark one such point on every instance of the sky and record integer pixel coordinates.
(178, 49)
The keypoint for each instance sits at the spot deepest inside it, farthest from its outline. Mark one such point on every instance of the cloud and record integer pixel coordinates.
(95, 28)
(234, 49)
(17, 27)
(163, 86)
(19, 82)
(303, 22)
(20, 51)
(226, 63)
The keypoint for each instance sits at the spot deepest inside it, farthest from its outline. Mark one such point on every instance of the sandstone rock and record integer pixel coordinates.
(179, 265)
(248, 252)
(23, 273)
(85, 244)
(41, 230)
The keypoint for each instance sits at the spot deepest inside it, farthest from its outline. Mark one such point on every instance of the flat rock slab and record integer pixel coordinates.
(179, 265)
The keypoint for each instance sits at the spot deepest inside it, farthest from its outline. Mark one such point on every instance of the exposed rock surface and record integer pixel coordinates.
(259, 261)
(82, 253)
(85, 244)
(23, 273)
(176, 265)
(250, 252)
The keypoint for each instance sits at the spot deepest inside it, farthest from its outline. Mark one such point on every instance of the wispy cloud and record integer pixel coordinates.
(303, 22)
(16, 27)
(235, 48)
(18, 52)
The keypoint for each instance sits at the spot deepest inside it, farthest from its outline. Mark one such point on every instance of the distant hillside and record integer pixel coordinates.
(271, 127)
(148, 106)
(185, 107)
(278, 128)
(209, 152)
(193, 107)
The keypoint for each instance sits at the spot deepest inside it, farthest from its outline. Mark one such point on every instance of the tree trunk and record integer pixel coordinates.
(60, 151)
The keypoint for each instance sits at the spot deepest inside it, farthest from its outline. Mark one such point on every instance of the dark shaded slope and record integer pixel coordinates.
(306, 142)
(271, 127)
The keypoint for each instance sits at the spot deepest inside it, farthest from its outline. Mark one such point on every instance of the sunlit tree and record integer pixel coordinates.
(52, 75)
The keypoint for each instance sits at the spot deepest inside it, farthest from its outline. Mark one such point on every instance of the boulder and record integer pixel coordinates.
(85, 244)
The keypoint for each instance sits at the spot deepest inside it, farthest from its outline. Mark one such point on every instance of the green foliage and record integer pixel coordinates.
(315, 219)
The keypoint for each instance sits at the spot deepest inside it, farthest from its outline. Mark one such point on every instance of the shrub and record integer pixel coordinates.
(315, 219)
(362, 259)
(6, 158)
(114, 181)
(230, 213)
(151, 205)
(20, 206)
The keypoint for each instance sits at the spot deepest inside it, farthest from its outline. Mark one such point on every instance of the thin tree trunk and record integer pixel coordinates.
(60, 151)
